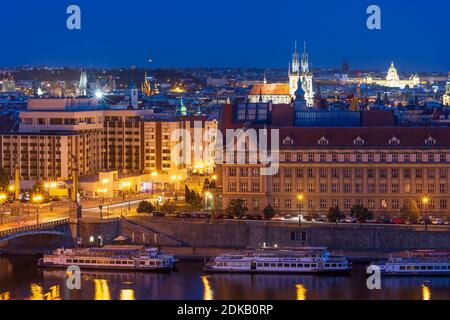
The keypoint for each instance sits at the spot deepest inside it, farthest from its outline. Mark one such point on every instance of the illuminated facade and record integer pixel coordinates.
(379, 168)
(282, 93)
(446, 97)
(393, 80)
(55, 135)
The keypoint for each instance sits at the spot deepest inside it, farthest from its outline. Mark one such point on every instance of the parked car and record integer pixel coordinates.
(277, 218)
(428, 220)
(384, 220)
(157, 214)
(350, 220)
(320, 219)
(184, 215)
(224, 217)
(398, 221)
(438, 221)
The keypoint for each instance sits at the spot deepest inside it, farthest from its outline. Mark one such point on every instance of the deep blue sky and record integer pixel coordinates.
(248, 33)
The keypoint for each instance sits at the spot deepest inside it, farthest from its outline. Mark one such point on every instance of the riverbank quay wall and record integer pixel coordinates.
(241, 234)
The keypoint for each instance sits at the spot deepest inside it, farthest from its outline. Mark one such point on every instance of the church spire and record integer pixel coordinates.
(295, 67)
(305, 60)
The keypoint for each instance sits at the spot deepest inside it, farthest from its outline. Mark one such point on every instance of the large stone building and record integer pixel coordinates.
(373, 163)
(392, 80)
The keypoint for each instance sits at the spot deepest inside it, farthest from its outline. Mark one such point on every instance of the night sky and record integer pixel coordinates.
(232, 33)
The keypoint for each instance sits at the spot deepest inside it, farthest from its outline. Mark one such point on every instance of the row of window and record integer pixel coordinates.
(347, 188)
(301, 172)
(361, 172)
(347, 203)
(369, 158)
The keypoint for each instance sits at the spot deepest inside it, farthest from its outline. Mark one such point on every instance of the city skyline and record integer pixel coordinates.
(228, 36)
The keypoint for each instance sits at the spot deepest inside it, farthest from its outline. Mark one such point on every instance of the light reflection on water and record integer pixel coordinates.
(208, 293)
(426, 293)
(301, 292)
(20, 279)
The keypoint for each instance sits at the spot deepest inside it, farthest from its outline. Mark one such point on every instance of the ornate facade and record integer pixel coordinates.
(393, 80)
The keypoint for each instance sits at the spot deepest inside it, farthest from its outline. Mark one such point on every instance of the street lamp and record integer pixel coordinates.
(127, 186)
(49, 186)
(425, 201)
(300, 200)
(208, 195)
(101, 192)
(3, 198)
(37, 199)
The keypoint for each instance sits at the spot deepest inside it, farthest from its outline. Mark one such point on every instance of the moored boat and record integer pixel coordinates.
(130, 258)
(317, 260)
(419, 263)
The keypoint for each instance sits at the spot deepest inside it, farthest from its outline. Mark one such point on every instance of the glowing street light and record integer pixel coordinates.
(300, 198)
(208, 195)
(126, 185)
(3, 198)
(37, 199)
(99, 94)
(425, 201)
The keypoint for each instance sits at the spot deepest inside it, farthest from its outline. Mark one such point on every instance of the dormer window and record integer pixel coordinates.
(394, 141)
(323, 141)
(430, 141)
(288, 141)
(358, 141)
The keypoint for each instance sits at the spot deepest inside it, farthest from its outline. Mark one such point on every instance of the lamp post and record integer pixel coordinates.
(3, 198)
(425, 201)
(208, 195)
(37, 199)
(126, 186)
(49, 186)
(300, 201)
(101, 193)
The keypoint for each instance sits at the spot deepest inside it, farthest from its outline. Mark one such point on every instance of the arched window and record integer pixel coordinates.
(358, 141)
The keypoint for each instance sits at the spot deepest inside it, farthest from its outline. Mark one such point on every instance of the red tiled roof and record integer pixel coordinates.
(377, 137)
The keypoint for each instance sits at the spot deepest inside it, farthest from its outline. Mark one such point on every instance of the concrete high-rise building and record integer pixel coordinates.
(54, 135)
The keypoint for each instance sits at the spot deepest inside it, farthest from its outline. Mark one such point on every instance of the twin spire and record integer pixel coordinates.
(298, 66)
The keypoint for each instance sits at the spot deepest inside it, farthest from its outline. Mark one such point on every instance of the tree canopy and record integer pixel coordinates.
(236, 208)
(409, 212)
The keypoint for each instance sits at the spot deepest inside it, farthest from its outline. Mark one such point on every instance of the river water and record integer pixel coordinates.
(20, 279)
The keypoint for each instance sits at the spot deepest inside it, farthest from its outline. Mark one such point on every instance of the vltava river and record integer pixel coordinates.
(20, 279)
